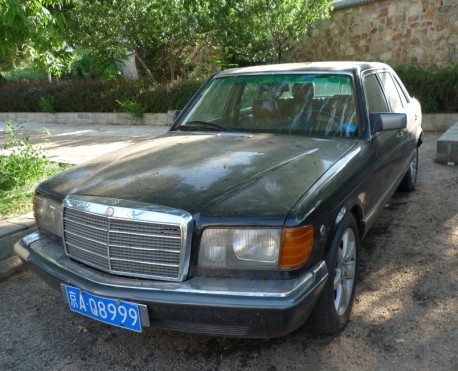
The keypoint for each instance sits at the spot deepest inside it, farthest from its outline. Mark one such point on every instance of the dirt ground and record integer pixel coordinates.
(405, 316)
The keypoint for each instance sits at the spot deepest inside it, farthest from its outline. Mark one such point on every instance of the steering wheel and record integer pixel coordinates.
(322, 122)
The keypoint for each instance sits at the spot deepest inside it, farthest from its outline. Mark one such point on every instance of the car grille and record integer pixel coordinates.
(124, 247)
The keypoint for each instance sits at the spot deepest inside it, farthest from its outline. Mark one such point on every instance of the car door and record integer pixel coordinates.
(399, 104)
(386, 156)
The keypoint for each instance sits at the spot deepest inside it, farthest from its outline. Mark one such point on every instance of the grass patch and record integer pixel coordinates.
(20, 172)
(18, 199)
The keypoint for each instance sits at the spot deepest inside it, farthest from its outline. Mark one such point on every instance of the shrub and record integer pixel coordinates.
(181, 91)
(24, 163)
(47, 104)
(95, 96)
(435, 88)
(132, 107)
(21, 172)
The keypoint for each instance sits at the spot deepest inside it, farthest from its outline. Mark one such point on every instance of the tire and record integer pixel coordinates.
(410, 179)
(333, 308)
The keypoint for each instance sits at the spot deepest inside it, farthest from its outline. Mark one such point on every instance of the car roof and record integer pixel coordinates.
(349, 66)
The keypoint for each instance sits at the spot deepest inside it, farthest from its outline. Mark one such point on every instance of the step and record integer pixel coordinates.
(447, 146)
(11, 231)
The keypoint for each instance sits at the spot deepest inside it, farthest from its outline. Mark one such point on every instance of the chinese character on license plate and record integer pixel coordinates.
(114, 312)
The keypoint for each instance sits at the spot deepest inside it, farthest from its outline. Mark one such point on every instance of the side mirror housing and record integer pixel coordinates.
(172, 115)
(176, 114)
(387, 121)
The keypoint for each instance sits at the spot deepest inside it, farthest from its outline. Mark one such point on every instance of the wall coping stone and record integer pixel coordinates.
(431, 122)
(340, 4)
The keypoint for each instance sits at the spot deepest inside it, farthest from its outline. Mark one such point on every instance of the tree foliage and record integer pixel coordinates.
(169, 37)
(260, 31)
(156, 31)
(32, 27)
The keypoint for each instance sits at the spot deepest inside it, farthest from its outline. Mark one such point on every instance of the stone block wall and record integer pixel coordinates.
(391, 31)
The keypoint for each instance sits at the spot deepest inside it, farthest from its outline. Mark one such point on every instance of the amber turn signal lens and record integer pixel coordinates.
(296, 246)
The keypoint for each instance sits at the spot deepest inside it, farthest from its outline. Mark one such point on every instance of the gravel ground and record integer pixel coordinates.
(404, 317)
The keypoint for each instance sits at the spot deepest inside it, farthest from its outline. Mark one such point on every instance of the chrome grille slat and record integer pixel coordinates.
(82, 243)
(142, 256)
(90, 220)
(120, 246)
(137, 241)
(162, 254)
(144, 263)
(141, 269)
(86, 225)
(91, 252)
(127, 226)
(143, 234)
(70, 235)
(89, 258)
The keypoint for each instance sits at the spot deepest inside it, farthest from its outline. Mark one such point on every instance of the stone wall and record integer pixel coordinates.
(391, 31)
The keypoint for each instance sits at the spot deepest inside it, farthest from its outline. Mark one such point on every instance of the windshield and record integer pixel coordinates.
(303, 104)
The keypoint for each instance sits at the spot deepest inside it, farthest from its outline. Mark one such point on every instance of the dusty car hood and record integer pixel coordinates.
(230, 175)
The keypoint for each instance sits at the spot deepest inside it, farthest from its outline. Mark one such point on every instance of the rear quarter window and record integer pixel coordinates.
(375, 98)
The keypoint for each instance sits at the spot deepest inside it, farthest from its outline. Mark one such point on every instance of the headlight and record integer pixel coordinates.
(239, 248)
(48, 214)
(257, 248)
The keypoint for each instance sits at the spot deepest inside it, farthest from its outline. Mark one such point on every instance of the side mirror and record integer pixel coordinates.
(172, 116)
(387, 121)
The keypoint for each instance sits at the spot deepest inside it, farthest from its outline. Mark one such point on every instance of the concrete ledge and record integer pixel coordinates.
(155, 119)
(11, 231)
(439, 122)
(447, 146)
(339, 4)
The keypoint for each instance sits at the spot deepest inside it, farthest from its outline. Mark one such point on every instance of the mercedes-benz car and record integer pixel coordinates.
(245, 219)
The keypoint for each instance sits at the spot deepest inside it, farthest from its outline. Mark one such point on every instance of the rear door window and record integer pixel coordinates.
(391, 91)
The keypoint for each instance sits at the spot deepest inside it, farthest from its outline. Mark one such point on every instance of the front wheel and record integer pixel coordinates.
(410, 179)
(333, 308)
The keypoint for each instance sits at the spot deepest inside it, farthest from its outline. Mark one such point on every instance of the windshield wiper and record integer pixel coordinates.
(201, 125)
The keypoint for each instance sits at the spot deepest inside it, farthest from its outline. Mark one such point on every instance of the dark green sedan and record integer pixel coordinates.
(245, 219)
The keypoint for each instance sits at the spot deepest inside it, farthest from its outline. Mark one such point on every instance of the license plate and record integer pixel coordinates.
(111, 311)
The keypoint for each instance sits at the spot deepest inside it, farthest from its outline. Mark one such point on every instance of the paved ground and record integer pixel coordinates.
(404, 318)
(76, 144)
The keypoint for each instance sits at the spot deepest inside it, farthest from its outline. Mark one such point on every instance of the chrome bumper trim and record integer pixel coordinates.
(53, 253)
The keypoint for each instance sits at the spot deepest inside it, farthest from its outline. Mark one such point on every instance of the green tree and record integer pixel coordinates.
(32, 27)
(157, 31)
(165, 35)
(260, 31)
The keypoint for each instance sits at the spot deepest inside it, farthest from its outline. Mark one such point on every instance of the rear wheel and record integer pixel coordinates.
(410, 179)
(333, 308)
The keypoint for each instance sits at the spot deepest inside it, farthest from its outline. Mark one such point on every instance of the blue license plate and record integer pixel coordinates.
(112, 311)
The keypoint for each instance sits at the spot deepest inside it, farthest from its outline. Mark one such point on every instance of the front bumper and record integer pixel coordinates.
(205, 305)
